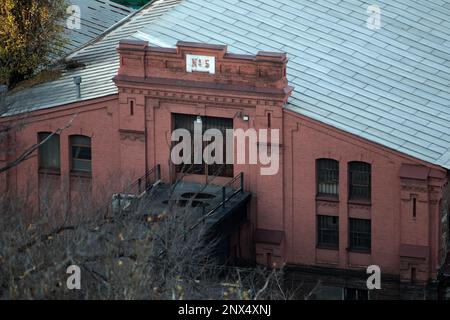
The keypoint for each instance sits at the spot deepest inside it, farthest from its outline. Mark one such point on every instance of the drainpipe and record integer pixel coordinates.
(146, 136)
(77, 81)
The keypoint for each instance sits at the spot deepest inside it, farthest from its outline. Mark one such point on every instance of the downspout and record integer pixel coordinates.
(145, 114)
(146, 138)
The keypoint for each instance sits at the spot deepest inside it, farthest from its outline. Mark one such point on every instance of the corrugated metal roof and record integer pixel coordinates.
(390, 86)
(96, 16)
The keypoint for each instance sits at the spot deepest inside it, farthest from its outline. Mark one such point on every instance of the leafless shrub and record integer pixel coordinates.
(138, 254)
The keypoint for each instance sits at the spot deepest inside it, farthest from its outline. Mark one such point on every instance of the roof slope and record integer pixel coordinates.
(96, 16)
(101, 63)
(390, 86)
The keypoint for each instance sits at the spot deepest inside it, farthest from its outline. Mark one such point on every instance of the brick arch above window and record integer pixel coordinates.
(76, 129)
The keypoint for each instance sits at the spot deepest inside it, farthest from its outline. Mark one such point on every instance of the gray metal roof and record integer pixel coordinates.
(96, 16)
(390, 86)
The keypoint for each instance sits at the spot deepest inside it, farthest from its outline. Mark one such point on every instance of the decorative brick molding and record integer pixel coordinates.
(236, 79)
(332, 204)
(132, 135)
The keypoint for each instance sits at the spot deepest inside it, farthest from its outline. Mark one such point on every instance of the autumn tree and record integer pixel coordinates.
(31, 33)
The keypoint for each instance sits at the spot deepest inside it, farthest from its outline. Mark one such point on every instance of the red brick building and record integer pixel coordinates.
(355, 186)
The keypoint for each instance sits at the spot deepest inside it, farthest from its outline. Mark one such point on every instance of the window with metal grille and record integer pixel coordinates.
(49, 158)
(327, 231)
(359, 180)
(327, 177)
(185, 121)
(360, 234)
(81, 153)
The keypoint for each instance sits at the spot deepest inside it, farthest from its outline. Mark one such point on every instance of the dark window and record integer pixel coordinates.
(49, 152)
(414, 206)
(359, 180)
(328, 231)
(327, 177)
(269, 259)
(360, 234)
(131, 107)
(183, 121)
(413, 274)
(356, 294)
(81, 153)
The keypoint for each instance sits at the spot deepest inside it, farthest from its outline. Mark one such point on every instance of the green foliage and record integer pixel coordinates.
(30, 33)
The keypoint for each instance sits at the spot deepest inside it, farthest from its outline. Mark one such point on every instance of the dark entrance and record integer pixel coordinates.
(185, 121)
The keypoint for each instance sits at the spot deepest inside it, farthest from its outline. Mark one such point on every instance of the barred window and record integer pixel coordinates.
(81, 153)
(327, 177)
(360, 234)
(49, 158)
(328, 231)
(359, 180)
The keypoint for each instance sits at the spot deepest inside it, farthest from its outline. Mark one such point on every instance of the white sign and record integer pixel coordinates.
(200, 63)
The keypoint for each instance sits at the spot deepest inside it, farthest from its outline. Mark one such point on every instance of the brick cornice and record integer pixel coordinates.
(235, 78)
(212, 97)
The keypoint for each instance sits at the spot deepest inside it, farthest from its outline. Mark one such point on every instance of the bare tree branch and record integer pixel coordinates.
(27, 153)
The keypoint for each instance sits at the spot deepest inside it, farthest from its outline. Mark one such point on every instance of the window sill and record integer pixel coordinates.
(363, 251)
(365, 202)
(80, 174)
(49, 171)
(324, 247)
(329, 198)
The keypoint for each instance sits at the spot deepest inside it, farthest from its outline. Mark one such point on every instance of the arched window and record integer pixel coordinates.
(81, 153)
(327, 177)
(359, 180)
(49, 158)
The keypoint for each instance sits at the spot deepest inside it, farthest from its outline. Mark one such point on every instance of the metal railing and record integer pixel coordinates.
(145, 182)
(127, 199)
(234, 186)
(228, 191)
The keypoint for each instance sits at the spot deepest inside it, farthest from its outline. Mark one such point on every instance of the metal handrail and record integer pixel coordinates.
(149, 183)
(145, 181)
(222, 203)
(225, 199)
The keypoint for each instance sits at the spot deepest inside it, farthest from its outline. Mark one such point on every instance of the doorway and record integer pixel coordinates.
(190, 122)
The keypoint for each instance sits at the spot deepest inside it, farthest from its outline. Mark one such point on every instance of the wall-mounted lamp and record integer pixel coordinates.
(198, 120)
(244, 117)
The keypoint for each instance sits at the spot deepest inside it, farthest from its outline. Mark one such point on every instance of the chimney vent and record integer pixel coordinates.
(77, 81)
